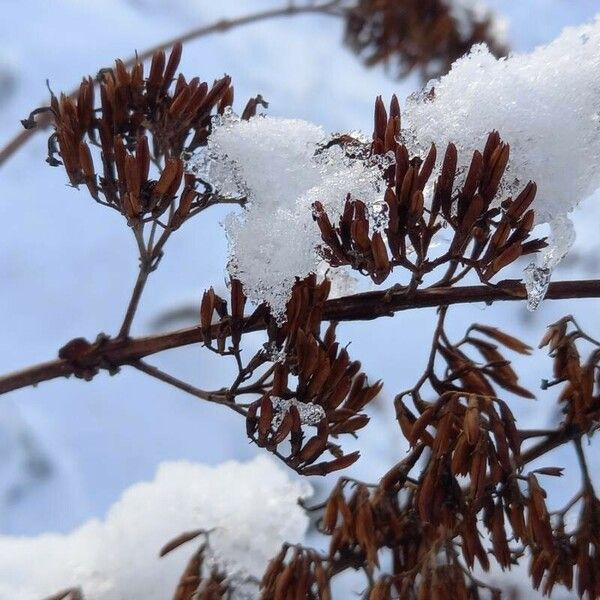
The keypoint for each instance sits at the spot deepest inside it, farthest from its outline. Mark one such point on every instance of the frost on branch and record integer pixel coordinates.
(544, 104)
(282, 166)
(251, 508)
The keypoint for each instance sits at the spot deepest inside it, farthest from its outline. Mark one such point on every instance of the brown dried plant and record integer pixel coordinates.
(415, 34)
(488, 235)
(464, 498)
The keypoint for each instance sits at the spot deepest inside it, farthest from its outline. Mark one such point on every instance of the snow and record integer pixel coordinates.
(282, 167)
(251, 508)
(545, 105)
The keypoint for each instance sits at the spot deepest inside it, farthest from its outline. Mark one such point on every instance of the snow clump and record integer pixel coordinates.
(281, 166)
(545, 104)
(251, 508)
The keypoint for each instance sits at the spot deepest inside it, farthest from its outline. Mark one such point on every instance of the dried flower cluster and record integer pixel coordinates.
(488, 234)
(429, 526)
(296, 572)
(130, 150)
(581, 392)
(141, 122)
(329, 390)
(199, 581)
(416, 34)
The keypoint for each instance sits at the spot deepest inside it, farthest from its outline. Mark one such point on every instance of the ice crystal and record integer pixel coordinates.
(274, 353)
(343, 283)
(538, 277)
(310, 413)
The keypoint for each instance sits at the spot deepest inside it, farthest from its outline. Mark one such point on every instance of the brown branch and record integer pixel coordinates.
(367, 306)
(220, 26)
(187, 387)
(136, 295)
(149, 257)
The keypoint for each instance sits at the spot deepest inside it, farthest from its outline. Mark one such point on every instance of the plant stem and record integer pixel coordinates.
(186, 387)
(138, 289)
(371, 305)
(140, 283)
(585, 473)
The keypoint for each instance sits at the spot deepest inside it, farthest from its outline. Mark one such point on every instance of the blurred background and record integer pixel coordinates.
(69, 448)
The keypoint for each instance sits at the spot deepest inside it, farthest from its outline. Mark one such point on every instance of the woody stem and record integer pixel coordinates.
(367, 306)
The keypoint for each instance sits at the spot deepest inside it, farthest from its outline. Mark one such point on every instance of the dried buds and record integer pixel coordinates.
(581, 392)
(415, 34)
(200, 580)
(329, 392)
(313, 382)
(295, 573)
(487, 235)
(128, 151)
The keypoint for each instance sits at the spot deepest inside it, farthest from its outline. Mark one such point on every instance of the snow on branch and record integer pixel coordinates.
(250, 510)
(282, 166)
(544, 104)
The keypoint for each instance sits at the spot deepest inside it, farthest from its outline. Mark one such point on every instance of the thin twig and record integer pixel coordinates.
(186, 387)
(138, 289)
(585, 473)
(527, 434)
(429, 370)
(553, 440)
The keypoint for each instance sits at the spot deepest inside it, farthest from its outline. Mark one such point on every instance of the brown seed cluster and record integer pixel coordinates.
(569, 557)
(310, 370)
(370, 525)
(474, 428)
(414, 34)
(487, 235)
(461, 499)
(295, 572)
(581, 392)
(128, 150)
